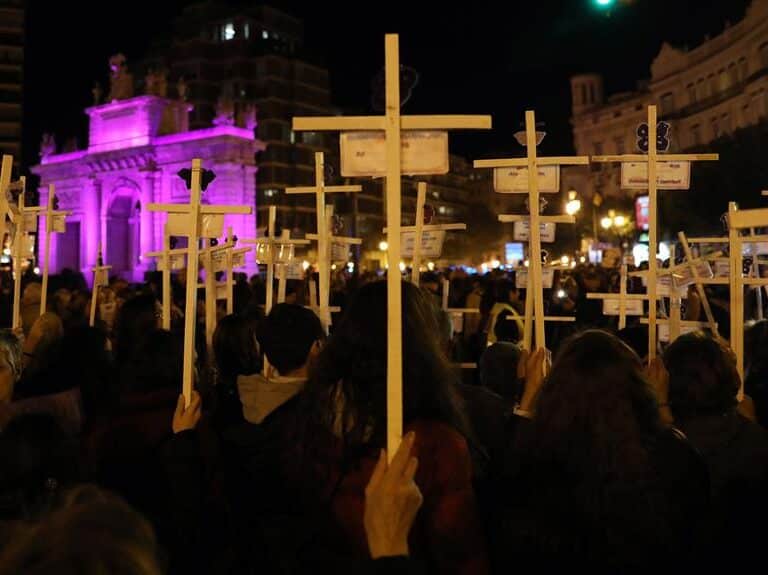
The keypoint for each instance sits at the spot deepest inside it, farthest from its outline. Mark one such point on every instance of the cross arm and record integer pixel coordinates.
(560, 219)
(432, 228)
(326, 189)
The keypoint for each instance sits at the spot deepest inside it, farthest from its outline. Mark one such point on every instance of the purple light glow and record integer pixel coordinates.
(136, 147)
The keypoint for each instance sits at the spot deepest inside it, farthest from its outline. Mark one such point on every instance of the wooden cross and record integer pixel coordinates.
(53, 224)
(269, 244)
(738, 221)
(323, 236)
(194, 212)
(621, 299)
(6, 186)
(692, 262)
(19, 245)
(420, 227)
(534, 301)
(652, 162)
(100, 279)
(391, 124)
(167, 262)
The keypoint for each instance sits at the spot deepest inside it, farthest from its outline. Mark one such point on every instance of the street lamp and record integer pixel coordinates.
(383, 246)
(573, 205)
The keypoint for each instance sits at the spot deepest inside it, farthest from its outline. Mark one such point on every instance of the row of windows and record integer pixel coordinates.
(243, 30)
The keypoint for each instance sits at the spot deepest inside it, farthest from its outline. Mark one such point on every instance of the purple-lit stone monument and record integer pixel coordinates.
(136, 146)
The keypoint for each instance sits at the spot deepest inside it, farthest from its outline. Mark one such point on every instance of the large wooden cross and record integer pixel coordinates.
(418, 229)
(192, 214)
(267, 246)
(652, 161)
(55, 222)
(323, 236)
(169, 259)
(534, 301)
(100, 280)
(6, 203)
(20, 245)
(392, 124)
(617, 303)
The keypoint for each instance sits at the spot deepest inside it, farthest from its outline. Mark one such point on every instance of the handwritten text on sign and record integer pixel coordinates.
(514, 180)
(669, 175)
(522, 231)
(421, 153)
(181, 225)
(431, 243)
(521, 278)
(631, 307)
(178, 261)
(683, 276)
(290, 271)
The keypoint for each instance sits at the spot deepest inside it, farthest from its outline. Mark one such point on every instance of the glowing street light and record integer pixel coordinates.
(383, 246)
(573, 205)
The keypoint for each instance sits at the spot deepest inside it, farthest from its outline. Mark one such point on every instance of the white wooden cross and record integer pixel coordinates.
(324, 236)
(19, 245)
(168, 261)
(620, 300)
(268, 245)
(192, 215)
(214, 259)
(55, 222)
(392, 124)
(534, 301)
(700, 282)
(100, 279)
(420, 227)
(5, 195)
(739, 221)
(653, 163)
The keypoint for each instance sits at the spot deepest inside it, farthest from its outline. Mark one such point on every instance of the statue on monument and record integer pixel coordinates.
(120, 80)
(225, 108)
(181, 89)
(156, 83)
(249, 117)
(47, 145)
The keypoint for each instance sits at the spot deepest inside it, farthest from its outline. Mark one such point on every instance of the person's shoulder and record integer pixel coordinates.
(436, 436)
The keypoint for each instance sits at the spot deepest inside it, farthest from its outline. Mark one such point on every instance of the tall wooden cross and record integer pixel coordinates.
(534, 301)
(20, 245)
(738, 222)
(653, 163)
(622, 303)
(323, 236)
(6, 200)
(55, 222)
(169, 259)
(267, 247)
(192, 214)
(100, 280)
(419, 228)
(392, 124)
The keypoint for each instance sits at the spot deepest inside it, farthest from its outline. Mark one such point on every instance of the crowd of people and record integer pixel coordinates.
(584, 455)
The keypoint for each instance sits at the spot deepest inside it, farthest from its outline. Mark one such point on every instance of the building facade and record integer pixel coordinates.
(11, 76)
(705, 93)
(136, 147)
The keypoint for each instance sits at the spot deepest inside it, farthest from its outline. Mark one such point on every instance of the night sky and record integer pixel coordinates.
(471, 58)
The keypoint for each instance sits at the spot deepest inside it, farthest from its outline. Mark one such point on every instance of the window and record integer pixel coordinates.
(293, 137)
(715, 128)
(764, 55)
(696, 135)
(691, 89)
(265, 35)
(247, 30)
(270, 193)
(723, 84)
(228, 31)
(743, 69)
(598, 148)
(733, 74)
(712, 81)
(725, 123)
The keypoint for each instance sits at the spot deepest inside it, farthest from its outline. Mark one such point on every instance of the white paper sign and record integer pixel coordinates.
(662, 286)
(212, 225)
(431, 243)
(221, 291)
(238, 258)
(290, 271)
(30, 222)
(177, 262)
(669, 175)
(521, 278)
(101, 278)
(29, 244)
(421, 153)
(219, 261)
(631, 307)
(59, 224)
(514, 180)
(339, 252)
(682, 276)
(522, 231)
(663, 331)
(722, 269)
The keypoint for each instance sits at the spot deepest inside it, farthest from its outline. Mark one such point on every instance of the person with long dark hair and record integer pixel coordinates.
(343, 415)
(594, 478)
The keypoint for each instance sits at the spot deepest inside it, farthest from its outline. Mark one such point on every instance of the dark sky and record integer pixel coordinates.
(471, 57)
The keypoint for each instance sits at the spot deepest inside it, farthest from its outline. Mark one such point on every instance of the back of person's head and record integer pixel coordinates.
(506, 328)
(595, 408)
(136, 317)
(38, 459)
(288, 334)
(636, 337)
(10, 348)
(498, 368)
(86, 363)
(235, 347)
(756, 368)
(158, 362)
(702, 376)
(353, 365)
(94, 533)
